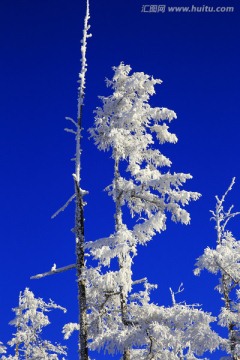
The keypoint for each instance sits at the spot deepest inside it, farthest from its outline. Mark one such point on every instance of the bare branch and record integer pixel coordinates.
(70, 131)
(221, 201)
(70, 119)
(136, 282)
(172, 296)
(64, 206)
(228, 218)
(180, 289)
(53, 272)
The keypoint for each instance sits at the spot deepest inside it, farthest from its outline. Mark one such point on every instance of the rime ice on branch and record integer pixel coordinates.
(225, 261)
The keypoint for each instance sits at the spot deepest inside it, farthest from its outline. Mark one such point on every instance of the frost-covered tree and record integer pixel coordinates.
(79, 213)
(224, 260)
(131, 129)
(30, 319)
(121, 320)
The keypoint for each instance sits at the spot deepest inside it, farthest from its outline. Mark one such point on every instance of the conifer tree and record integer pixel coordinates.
(30, 319)
(121, 319)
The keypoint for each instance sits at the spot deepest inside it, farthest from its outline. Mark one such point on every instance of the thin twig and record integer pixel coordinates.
(64, 206)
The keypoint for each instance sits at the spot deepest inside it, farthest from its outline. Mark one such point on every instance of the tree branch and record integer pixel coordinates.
(136, 282)
(53, 272)
(64, 206)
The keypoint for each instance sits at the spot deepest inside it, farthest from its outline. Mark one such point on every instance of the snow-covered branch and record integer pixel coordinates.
(64, 206)
(54, 271)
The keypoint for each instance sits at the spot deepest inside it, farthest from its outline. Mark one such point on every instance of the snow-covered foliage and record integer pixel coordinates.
(225, 261)
(120, 319)
(29, 321)
(225, 257)
(127, 125)
(69, 328)
(154, 332)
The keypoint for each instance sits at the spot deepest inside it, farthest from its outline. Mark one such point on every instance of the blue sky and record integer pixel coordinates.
(195, 54)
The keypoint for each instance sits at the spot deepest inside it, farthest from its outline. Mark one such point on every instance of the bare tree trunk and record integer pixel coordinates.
(80, 266)
(79, 213)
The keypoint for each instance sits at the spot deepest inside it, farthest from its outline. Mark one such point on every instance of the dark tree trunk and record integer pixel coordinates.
(80, 266)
